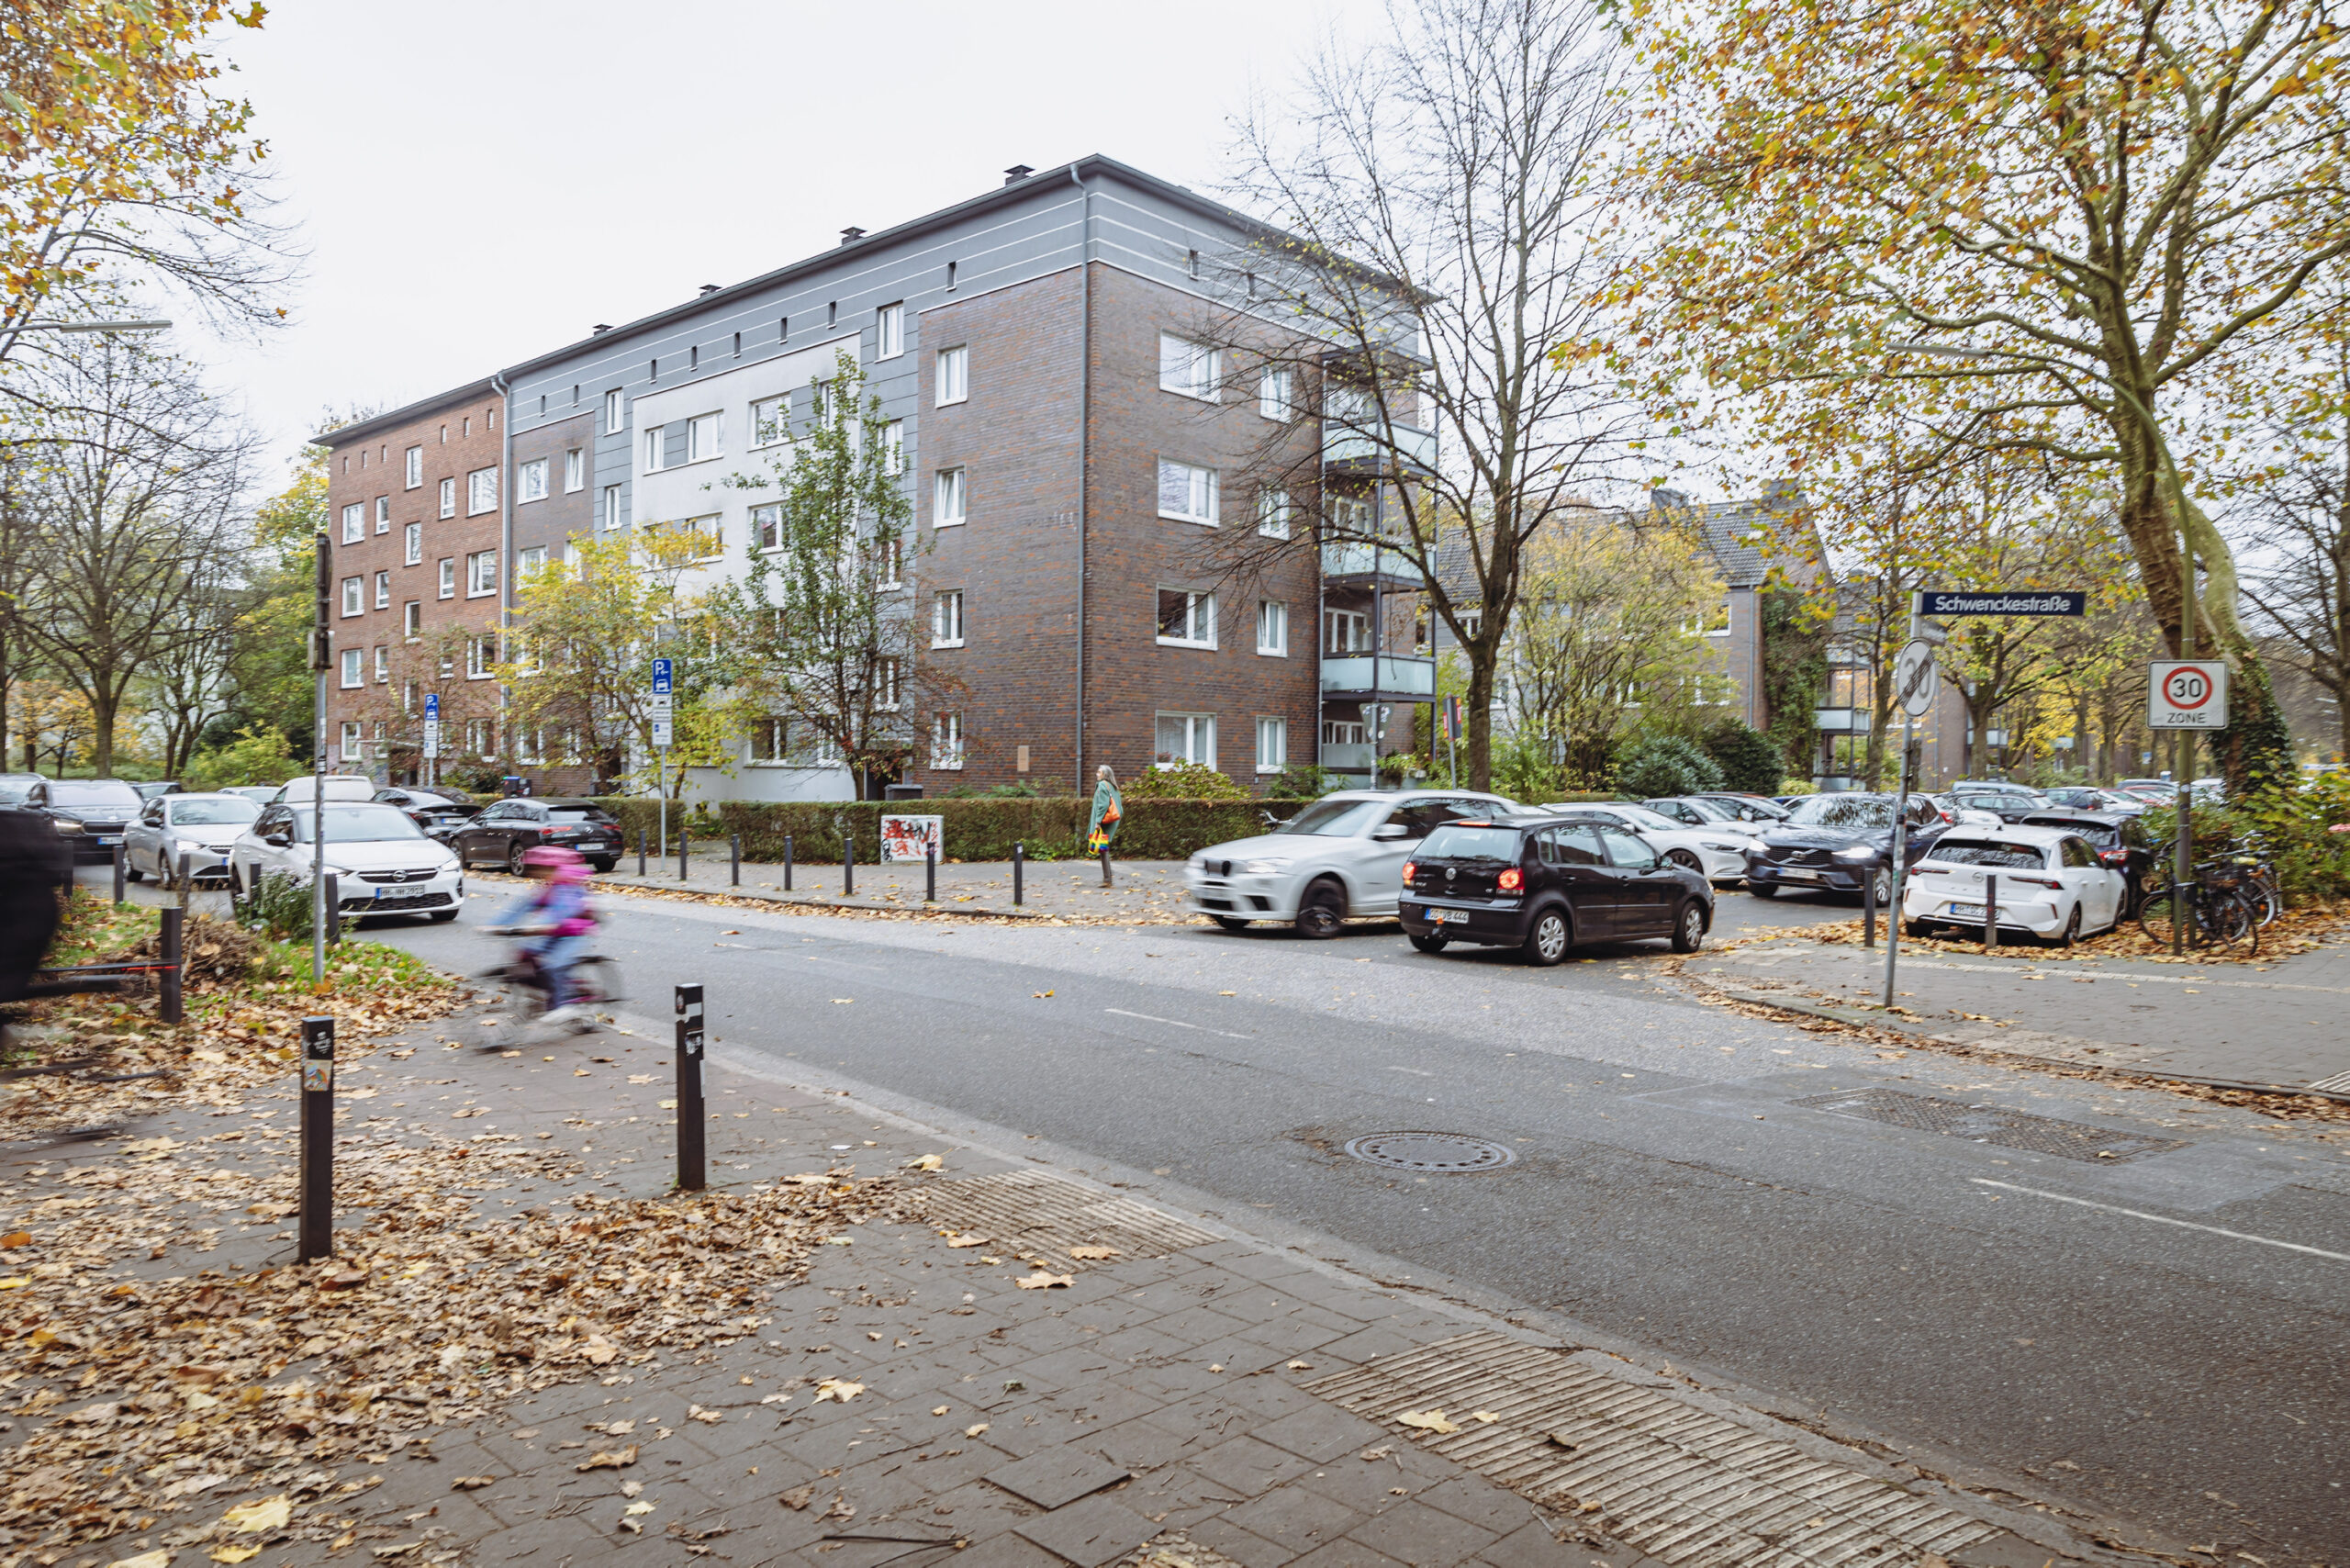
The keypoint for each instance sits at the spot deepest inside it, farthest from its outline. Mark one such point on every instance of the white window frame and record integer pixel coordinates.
(947, 742)
(354, 671)
(889, 331)
(886, 685)
(611, 507)
(708, 529)
(770, 421)
(1275, 397)
(412, 620)
(893, 447)
(1272, 744)
(767, 526)
(382, 665)
(1356, 622)
(531, 481)
(448, 577)
(1199, 619)
(350, 748)
(481, 492)
(1202, 500)
(449, 496)
(481, 654)
(481, 737)
(1273, 512)
(412, 545)
(615, 412)
(383, 514)
(706, 436)
(770, 742)
(1272, 628)
(953, 377)
(651, 440)
(532, 558)
(354, 597)
(1188, 369)
(891, 566)
(947, 626)
(413, 473)
(575, 469)
(1196, 727)
(950, 501)
(382, 591)
(354, 523)
(481, 573)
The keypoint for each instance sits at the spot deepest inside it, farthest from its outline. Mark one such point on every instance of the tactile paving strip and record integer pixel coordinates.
(1031, 1211)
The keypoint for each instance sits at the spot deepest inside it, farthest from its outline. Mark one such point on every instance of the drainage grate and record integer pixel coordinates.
(1988, 1124)
(1030, 1210)
(1441, 1152)
(1687, 1487)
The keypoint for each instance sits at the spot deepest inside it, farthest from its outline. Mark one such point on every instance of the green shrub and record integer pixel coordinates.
(260, 754)
(1302, 781)
(1749, 760)
(977, 828)
(1182, 781)
(2290, 823)
(1523, 770)
(1665, 764)
(279, 906)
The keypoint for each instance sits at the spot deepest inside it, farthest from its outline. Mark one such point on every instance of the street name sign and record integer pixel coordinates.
(662, 711)
(2187, 694)
(432, 725)
(1914, 679)
(2022, 601)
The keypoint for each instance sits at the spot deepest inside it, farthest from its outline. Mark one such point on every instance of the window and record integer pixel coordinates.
(533, 559)
(769, 417)
(531, 481)
(1273, 400)
(412, 620)
(767, 526)
(353, 748)
(889, 561)
(1344, 732)
(1185, 737)
(615, 412)
(652, 449)
(575, 470)
(770, 740)
(953, 376)
(885, 686)
(481, 656)
(448, 577)
(890, 331)
(1346, 632)
(705, 437)
(383, 514)
(354, 590)
(1187, 618)
(949, 509)
(354, 522)
(382, 665)
(478, 739)
(415, 473)
(481, 572)
(946, 619)
(1186, 492)
(382, 591)
(1350, 515)
(1188, 369)
(481, 491)
(708, 535)
(353, 675)
(1272, 512)
(894, 448)
(1272, 745)
(409, 697)
(448, 498)
(611, 506)
(1272, 627)
(947, 740)
(412, 544)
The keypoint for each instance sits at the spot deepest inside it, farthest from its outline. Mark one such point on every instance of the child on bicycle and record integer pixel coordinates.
(555, 919)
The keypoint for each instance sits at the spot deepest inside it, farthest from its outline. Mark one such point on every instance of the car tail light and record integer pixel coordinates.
(1509, 881)
(2033, 881)
(2114, 856)
(1409, 866)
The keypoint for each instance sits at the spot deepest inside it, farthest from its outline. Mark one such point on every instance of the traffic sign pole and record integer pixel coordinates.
(2185, 696)
(1915, 680)
(662, 712)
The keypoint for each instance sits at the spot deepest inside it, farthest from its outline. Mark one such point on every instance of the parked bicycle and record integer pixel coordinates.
(2216, 915)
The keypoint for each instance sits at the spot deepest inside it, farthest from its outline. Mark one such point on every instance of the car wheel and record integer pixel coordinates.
(1549, 938)
(1230, 922)
(1434, 942)
(604, 865)
(1920, 929)
(1321, 910)
(514, 859)
(1689, 927)
(1762, 890)
(1882, 880)
(2072, 927)
(1685, 861)
(131, 873)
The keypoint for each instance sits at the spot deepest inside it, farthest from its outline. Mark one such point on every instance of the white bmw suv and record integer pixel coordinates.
(1342, 856)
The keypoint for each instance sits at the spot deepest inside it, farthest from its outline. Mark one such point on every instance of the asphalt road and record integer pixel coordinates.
(2158, 1339)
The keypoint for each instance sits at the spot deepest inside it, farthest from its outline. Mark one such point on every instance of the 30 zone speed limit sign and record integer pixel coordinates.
(2187, 694)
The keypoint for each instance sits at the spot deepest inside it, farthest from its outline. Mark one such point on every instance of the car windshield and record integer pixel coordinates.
(357, 824)
(1646, 820)
(1842, 810)
(577, 814)
(1712, 811)
(1996, 854)
(12, 792)
(1335, 819)
(95, 792)
(213, 813)
(1455, 842)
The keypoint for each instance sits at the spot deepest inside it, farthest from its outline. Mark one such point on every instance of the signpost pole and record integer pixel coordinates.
(1917, 678)
(321, 660)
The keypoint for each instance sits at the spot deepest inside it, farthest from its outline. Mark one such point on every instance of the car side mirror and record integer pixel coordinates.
(1389, 831)
(279, 836)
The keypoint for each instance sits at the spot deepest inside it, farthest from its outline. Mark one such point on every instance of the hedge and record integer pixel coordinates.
(976, 829)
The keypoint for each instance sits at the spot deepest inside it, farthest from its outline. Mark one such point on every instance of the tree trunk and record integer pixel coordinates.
(1482, 660)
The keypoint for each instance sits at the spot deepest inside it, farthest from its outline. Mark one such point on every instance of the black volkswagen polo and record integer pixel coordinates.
(1542, 884)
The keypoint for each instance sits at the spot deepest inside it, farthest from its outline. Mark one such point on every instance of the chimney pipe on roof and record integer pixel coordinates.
(709, 288)
(601, 328)
(851, 235)
(1016, 173)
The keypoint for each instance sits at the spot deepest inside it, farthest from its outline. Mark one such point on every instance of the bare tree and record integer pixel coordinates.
(2299, 591)
(128, 503)
(188, 682)
(1427, 289)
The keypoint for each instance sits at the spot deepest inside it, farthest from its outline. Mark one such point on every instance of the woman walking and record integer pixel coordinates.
(1109, 809)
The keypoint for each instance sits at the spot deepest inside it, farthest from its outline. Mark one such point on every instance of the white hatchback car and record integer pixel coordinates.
(2051, 883)
(380, 861)
(1717, 853)
(1342, 855)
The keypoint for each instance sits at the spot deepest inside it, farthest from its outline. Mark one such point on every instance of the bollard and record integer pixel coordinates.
(640, 852)
(1868, 909)
(691, 1115)
(1019, 860)
(1990, 912)
(316, 1226)
(681, 853)
(786, 862)
(735, 851)
(930, 873)
(334, 909)
(117, 876)
(186, 884)
(168, 1005)
(848, 865)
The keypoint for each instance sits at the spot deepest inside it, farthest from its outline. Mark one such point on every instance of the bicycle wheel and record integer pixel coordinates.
(2263, 895)
(598, 979)
(2225, 923)
(2158, 914)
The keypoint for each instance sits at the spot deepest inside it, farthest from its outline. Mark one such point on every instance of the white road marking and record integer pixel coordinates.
(1176, 1023)
(1417, 1073)
(2163, 1219)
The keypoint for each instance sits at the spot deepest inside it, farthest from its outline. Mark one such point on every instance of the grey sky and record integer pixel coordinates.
(480, 182)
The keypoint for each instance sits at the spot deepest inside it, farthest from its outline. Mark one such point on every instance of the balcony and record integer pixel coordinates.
(1355, 451)
(1840, 721)
(1340, 758)
(1357, 564)
(1383, 678)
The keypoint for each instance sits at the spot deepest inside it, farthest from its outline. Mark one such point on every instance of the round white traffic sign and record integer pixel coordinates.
(2187, 694)
(1913, 678)
(2187, 688)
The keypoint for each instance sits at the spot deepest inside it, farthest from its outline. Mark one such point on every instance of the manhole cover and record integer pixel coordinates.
(1431, 1151)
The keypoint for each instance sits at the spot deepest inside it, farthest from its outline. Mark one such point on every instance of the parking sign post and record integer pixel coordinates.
(1915, 680)
(660, 709)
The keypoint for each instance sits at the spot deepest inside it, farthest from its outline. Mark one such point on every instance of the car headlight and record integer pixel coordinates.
(63, 825)
(1265, 867)
(1856, 852)
(1725, 848)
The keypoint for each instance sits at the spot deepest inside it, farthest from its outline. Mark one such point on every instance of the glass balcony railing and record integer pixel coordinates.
(1363, 450)
(1388, 674)
(1839, 721)
(1359, 560)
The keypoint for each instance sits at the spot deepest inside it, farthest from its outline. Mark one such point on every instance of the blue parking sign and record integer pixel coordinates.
(661, 687)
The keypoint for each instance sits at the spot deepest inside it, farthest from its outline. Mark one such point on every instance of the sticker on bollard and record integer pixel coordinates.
(315, 1228)
(691, 1115)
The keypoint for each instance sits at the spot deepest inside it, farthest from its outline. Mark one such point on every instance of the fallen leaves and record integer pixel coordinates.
(1488, 1416)
(927, 1162)
(968, 1240)
(838, 1390)
(230, 1554)
(1043, 1279)
(619, 1460)
(1092, 1254)
(472, 1483)
(259, 1516)
(974, 1430)
(16, 1238)
(1428, 1421)
(799, 1497)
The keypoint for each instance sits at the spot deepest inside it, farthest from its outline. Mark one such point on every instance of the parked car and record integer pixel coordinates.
(148, 788)
(382, 862)
(1542, 884)
(2011, 803)
(14, 786)
(259, 794)
(204, 826)
(1715, 852)
(302, 789)
(2121, 842)
(1842, 842)
(505, 828)
(1342, 855)
(438, 813)
(2083, 798)
(91, 812)
(2160, 786)
(2051, 883)
(1748, 808)
(1953, 812)
(1703, 811)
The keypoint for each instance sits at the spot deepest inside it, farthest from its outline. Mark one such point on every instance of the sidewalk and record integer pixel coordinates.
(2270, 1024)
(1146, 890)
(1083, 1381)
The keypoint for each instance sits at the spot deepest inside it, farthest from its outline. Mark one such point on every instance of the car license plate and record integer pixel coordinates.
(1968, 911)
(110, 838)
(1438, 916)
(398, 895)
(1801, 874)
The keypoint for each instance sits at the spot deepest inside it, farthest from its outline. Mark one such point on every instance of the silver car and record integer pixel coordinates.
(1342, 856)
(200, 826)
